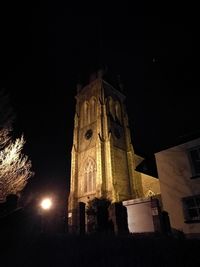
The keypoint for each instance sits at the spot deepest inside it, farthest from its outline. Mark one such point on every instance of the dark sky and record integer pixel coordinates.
(46, 49)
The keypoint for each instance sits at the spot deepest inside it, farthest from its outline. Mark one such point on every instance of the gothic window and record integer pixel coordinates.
(93, 109)
(89, 176)
(82, 116)
(194, 157)
(110, 107)
(117, 111)
(85, 115)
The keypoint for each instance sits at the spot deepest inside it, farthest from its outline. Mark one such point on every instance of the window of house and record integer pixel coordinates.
(192, 208)
(194, 156)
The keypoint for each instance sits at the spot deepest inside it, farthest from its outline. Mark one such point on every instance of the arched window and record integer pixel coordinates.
(82, 115)
(110, 106)
(93, 109)
(118, 111)
(89, 176)
(86, 113)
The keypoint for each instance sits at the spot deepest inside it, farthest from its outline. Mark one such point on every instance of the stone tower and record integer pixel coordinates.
(102, 159)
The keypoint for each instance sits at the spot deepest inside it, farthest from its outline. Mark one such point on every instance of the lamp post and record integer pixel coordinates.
(46, 206)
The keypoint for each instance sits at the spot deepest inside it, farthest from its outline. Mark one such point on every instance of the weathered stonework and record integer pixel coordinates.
(102, 152)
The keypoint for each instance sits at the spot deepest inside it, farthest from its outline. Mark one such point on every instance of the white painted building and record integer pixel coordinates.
(179, 175)
(143, 215)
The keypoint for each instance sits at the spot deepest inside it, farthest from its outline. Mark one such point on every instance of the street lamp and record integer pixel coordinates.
(46, 204)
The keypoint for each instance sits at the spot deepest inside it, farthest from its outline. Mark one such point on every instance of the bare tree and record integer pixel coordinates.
(15, 167)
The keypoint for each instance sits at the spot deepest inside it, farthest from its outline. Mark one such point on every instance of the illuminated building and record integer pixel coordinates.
(179, 176)
(103, 161)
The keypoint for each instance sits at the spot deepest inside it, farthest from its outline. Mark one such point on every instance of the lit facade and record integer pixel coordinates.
(103, 161)
(179, 175)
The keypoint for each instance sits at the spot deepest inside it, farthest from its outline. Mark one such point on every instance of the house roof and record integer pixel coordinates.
(148, 166)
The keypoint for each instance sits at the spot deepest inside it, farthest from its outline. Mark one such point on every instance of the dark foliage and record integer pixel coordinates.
(24, 244)
(100, 250)
(97, 215)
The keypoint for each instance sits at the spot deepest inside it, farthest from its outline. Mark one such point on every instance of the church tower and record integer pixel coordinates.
(102, 157)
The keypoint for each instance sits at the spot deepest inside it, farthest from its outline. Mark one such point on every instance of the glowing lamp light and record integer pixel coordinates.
(46, 203)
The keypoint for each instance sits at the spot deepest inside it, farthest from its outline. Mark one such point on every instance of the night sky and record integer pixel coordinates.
(44, 52)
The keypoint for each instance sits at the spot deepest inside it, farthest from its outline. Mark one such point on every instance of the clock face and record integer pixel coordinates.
(88, 134)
